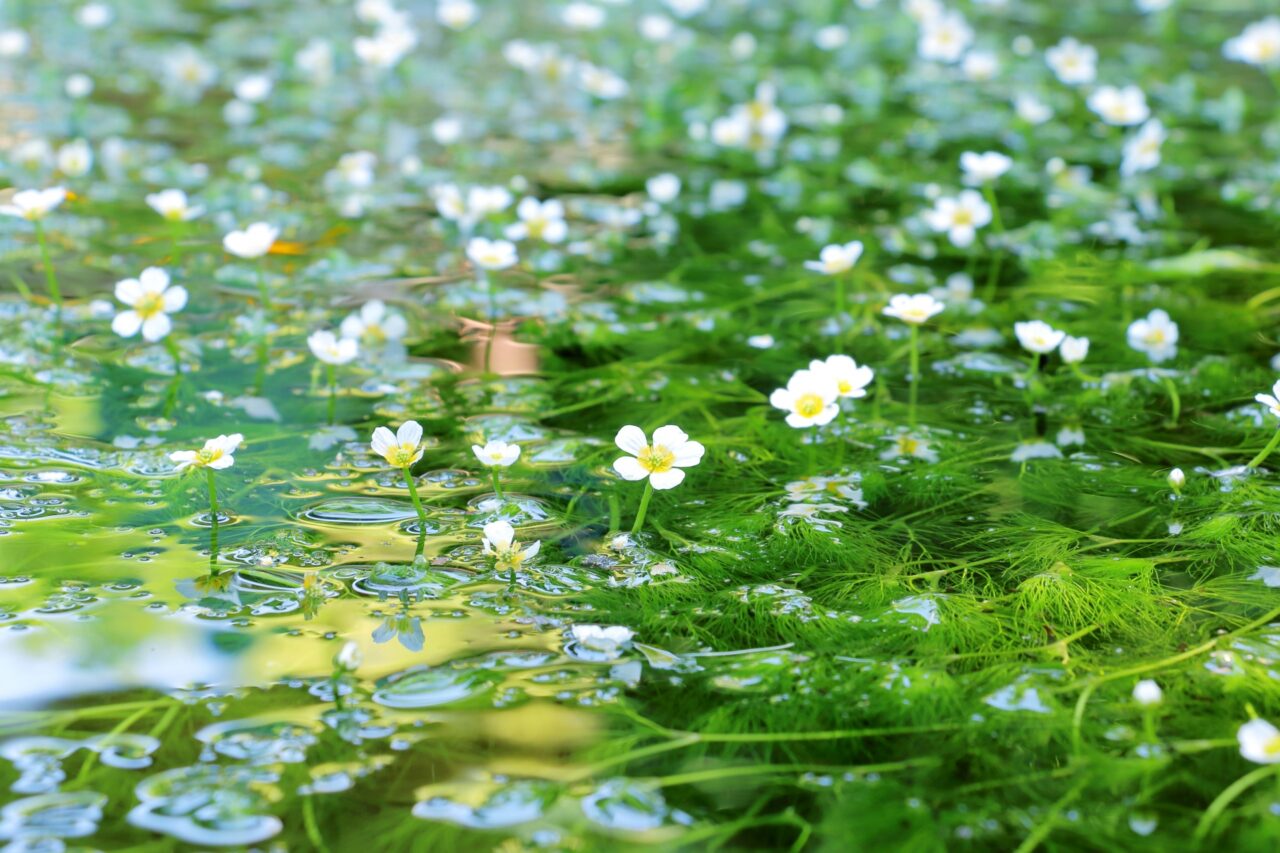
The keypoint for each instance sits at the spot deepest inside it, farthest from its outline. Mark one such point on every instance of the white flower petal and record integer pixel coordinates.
(631, 439)
(630, 468)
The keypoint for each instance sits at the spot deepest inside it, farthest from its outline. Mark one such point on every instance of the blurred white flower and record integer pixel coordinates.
(34, 205)
(851, 378)
(959, 217)
(253, 242)
(497, 454)
(375, 323)
(150, 301)
(1259, 742)
(1072, 63)
(1120, 106)
(491, 254)
(1258, 45)
(914, 309)
(985, 167)
(173, 205)
(1037, 336)
(1155, 335)
(216, 454)
(331, 349)
(1142, 150)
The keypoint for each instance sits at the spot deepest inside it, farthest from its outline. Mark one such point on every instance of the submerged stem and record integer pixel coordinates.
(213, 502)
(333, 391)
(1175, 402)
(413, 495)
(915, 373)
(1266, 451)
(644, 507)
(497, 485)
(50, 277)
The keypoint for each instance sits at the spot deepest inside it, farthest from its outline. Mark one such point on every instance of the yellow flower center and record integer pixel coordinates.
(809, 405)
(962, 216)
(844, 386)
(401, 456)
(149, 305)
(1272, 747)
(907, 445)
(1155, 336)
(656, 459)
(206, 455)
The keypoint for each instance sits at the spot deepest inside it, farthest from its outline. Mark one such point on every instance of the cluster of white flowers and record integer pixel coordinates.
(811, 395)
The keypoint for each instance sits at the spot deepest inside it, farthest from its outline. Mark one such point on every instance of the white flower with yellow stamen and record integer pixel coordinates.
(173, 205)
(150, 301)
(1072, 62)
(836, 258)
(500, 543)
(659, 462)
(959, 217)
(1258, 45)
(1120, 106)
(909, 446)
(1073, 350)
(809, 398)
(539, 220)
(1272, 400)
(491, 254)
(401, 448)
(34, 205)
(1259, 742)
(1156, 335)
(216, 454)
(915, 309)
(497, 454)
(253, 242)
(851, 378)
(331, 349)
(1037, 336)
(374, 323)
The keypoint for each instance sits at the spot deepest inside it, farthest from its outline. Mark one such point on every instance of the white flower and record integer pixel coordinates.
(457, 15)
(34, 205)
(1177, 479)
(13, 43)
(983, 168)
(836, 259)
(1259, 742)
(1142, 150)
(355, 168)
(374, 322)
(914, 309)
(1123, 107)
(1272, 400)
(1147, 692)
(500, 543)
(216, 454)
(760, 341)
(94, 16)
(959, 217)
(401, 448)
(331, 349)
(1156, 335)
(348, 657)
(1259, 44)
(315, 60)
(1031, 109)
(661, 462)
(1038, 336)
(663, 188)
(78, 86)
(909, 446)
(253, 89)
(944, 37)
(609, 640)
(173, 205)
(187, 72)
(496, 454)
(851, 379)
(1072, 63)
(809, 398)
(583, 16)
(150, 301)
(1073, 350)
(75, 158)
(538, 221)
(386, 48)
(491, 254)
(253, 242)
(1028, 450)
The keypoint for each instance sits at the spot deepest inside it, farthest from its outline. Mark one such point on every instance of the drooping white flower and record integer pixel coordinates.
(1259, 742)
(1073, 350)
(173, 205)
(1037, 336)
(836, 258)
(851, 378)
(34, 205)
(348, 657)
(914, 309)
(401, 448)
(1155, 335)
(331, 349)
(1147, 692)
(375, 323)
(1272, 400)
(1258, 45)
(539, 220)
(660, 461)
(608, 640)
(216, 454)
(1120, 106)
(944, 37)
(959, 217)
(984, 168)
(809, 398)
(149, 300)
(1142, 150)
(491, 254)
(1072, 63)
(496, 454)
(253, 242)
(1177, 479)
(500, 543)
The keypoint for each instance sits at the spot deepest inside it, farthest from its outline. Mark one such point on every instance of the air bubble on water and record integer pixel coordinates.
(33, 823)
(490, 806)
(424, 687)
(259, 743)
(629, 805)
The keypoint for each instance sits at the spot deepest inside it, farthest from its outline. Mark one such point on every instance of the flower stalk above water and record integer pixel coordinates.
(216, 455)
(659, 464)
(914, 311)
(34, 206)
(402, 449)
(496, 455)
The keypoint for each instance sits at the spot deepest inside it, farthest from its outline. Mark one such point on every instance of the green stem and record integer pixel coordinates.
(175, 234)
(1175, 402)
(1081, 375)
(997, 223)
(213, 504)
(263, 293)
(413, 495)
(1266, 451)
(1224, 799)
(839, 296)
(333, 391)
(644, 507)
(50, 277)
(497, 487)
(915, 373)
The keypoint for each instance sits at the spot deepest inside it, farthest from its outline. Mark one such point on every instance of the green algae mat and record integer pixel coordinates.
(639, 424)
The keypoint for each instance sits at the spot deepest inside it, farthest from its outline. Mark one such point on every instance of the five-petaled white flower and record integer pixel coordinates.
(851, 378)
(1073, 350)
(491, 254)
(401, 448)
(1072, 63)
(1272, 400)
(539, 220)
(836, 258)
(34, 205)
(331, 349)
(1038, 336)
(173, 205)
(1156, 335)
(608, 640)
(1259, 742)
(496, 454)
(809, 398)
(500, 543)
(944, 36)
(374, 322)
(1120, 106)
(1258, 45)
(1142, 151)
(984, 168)
(150, 301)
(661, 462)
(216, 454)
(914, 309)
(959, 217)
(253, 242)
